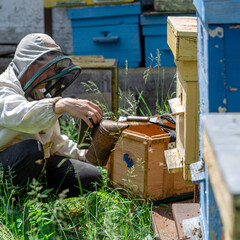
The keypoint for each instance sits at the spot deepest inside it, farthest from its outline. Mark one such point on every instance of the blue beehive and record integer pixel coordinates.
(154, 30)
(219, 86)
(219, 54)
(108, 30)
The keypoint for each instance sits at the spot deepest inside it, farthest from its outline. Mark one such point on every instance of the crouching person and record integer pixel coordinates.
(30, 105)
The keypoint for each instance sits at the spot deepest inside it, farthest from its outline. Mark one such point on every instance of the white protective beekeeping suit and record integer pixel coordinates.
(22, 117)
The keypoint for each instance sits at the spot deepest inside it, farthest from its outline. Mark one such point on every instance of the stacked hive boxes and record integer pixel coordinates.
(108, 30)
(182, 39)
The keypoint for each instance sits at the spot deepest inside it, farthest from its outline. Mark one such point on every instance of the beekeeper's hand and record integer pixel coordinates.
(79, 108)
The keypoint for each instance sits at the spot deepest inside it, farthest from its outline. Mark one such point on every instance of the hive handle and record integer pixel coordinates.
(106, 39)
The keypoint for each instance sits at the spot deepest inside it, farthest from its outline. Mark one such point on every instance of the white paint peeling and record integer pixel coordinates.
(225, 101)
(222, 109)
(216, 46)
(217, 32)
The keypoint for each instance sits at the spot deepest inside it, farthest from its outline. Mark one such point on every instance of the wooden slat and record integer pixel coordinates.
(173, 160)
(221, 137)
(176, 106)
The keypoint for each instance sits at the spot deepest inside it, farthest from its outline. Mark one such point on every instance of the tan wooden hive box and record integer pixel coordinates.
(182, 40)
(148, 177)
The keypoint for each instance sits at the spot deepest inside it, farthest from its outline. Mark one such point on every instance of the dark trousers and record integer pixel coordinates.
(24, 161)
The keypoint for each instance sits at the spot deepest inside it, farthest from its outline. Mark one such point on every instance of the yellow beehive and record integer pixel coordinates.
(182, 40)
(75, 3)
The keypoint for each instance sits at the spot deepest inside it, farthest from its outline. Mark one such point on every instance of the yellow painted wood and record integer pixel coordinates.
(76, 3)
(182, 37)
(188, 69)
(190, 145)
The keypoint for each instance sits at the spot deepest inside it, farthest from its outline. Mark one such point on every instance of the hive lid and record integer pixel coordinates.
(183, 26)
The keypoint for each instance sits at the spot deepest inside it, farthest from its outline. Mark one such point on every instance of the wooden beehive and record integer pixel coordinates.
(182, 39)
(77, 3)
(145, 172)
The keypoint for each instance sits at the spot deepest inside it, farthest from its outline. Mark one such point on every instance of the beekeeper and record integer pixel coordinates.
(30, 105)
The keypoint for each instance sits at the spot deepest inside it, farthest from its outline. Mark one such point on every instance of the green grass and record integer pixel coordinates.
(102, 214)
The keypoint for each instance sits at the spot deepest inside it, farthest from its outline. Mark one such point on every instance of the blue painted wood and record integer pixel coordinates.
(154, 43)
(108, 30)
(153, 20)
(126, 47)
(154, 30)
(219, 57)
(218, 11)
(218, 63)
(100, 11)
(104, 21)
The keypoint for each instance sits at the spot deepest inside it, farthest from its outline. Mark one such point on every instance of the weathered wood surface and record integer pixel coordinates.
(79, 3)
(173, 160)
(182, 37)
(183, 6)
(176, 106)
(221, 152)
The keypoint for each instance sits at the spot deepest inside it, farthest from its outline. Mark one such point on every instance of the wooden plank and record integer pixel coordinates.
(176, 106)
(164, 227)
(221, 153)
(173, 160)
(182, 211)
(191, 143)
(156, 170)
(79, 3)
(179, 6)
(130, 178)
(5, 53)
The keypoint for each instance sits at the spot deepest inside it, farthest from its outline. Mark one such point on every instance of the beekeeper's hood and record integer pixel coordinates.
(40, 65)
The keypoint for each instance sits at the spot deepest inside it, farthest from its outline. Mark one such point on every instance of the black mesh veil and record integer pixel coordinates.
(51, 74)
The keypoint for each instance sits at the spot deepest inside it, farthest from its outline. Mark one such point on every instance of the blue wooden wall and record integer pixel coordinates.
(219, 84)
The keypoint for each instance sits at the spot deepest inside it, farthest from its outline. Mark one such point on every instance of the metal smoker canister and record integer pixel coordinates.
(103, 141)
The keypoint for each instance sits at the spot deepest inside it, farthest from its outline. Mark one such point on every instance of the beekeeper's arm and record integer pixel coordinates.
(17, 113)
